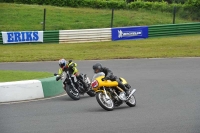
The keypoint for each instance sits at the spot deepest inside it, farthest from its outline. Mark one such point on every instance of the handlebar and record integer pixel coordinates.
(55, 74)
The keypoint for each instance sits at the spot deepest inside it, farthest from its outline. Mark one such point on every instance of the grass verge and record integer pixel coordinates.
(7, 75)
(180, 46)
(20, 17)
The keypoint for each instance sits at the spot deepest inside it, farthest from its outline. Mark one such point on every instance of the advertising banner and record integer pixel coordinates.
(129, 33)
(22, 36)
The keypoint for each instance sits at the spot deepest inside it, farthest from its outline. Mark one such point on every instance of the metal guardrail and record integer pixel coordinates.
(105, 34)
(1, 39)
(174, 29)
(51, 36)
(85, 35)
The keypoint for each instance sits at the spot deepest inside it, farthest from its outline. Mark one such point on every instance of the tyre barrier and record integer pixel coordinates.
(30, 89)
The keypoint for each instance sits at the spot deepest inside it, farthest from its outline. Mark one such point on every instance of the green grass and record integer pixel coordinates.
(180, 46)
(20, 17)
(7, 75)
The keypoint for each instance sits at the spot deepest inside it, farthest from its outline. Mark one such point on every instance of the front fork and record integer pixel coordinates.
(107, 97)
(75, 80)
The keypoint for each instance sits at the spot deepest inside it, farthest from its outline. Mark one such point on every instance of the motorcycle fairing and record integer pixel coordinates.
(123, 80)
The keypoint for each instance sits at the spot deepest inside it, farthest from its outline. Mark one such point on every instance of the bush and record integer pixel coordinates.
(192, 8)
(8, 1)
(104, 4)
(168, 1)
(159, 6)
(23, 1)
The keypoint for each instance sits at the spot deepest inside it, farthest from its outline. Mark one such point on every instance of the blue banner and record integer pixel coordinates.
(129, 33)
(22, 36)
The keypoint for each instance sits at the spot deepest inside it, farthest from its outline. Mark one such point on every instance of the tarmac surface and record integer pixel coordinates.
(168, 101)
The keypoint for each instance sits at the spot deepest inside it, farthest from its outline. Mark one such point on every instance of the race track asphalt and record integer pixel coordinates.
(168, 101)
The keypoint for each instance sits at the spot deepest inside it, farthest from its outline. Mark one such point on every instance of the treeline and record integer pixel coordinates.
(168, 1)
(188, 9)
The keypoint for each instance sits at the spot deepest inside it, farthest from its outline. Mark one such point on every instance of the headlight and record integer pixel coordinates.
(95, 84)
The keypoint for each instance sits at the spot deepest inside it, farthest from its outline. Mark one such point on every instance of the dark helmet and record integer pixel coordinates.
(97, 67)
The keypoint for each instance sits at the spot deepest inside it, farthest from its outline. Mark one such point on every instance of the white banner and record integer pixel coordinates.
(22, 36)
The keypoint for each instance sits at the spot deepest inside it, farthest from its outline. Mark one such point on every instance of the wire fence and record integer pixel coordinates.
(32, 18)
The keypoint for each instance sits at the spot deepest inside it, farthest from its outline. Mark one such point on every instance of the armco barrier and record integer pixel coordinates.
(1, 39)
(51, 36)
(85, 35)
(30, 89)
(174, 29)
(104, 34)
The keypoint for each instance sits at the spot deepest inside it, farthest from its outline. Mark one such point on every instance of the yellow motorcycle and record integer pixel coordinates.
(109, 94)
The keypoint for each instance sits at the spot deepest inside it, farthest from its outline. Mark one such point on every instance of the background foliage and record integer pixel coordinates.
(185, 8)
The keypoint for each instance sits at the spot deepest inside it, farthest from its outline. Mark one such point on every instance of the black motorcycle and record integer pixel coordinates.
(76, 86)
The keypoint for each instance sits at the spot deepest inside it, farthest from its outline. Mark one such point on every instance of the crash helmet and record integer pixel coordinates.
(62, 63)
(97, 67)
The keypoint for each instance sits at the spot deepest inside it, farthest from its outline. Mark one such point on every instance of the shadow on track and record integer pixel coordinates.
(99, 109)
(67, 98)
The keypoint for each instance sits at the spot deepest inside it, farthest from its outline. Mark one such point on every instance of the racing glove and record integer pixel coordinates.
(58, 78)
(105, 78)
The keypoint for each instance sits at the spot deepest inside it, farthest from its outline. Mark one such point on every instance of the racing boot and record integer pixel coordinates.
(85, 85)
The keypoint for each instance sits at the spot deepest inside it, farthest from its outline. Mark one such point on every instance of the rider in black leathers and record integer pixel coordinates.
(109, 76)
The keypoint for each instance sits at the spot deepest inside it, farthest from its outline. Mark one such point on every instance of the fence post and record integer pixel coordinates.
(44, 19)
(111, 25)
(174, 15)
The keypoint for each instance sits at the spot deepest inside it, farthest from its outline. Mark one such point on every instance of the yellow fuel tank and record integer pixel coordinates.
(107, 83)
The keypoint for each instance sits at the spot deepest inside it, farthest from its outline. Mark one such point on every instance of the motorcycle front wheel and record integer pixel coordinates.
(74, 95)
(132, 101)
(105, 103)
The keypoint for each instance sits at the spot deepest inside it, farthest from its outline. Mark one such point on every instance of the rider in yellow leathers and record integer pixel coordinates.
(71, 67)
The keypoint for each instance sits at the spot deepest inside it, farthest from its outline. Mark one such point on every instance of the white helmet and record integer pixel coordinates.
(62, 63)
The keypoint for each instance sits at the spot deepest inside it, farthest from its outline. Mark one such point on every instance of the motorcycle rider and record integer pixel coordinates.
(71, 67)
(109, 76)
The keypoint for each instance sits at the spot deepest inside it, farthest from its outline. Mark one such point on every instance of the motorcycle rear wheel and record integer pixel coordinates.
(73, 95)
(106, 104)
